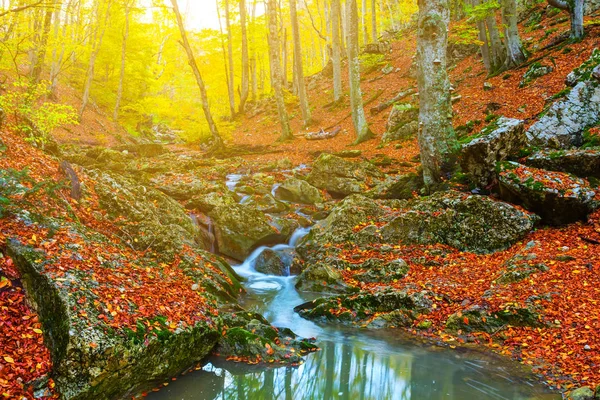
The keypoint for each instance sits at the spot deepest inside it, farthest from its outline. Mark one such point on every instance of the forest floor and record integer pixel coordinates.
(564, 354)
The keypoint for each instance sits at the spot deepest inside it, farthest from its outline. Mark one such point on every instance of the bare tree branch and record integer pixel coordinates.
(22, 8)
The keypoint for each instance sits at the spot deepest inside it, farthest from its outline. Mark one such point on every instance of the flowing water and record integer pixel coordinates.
(353, 364)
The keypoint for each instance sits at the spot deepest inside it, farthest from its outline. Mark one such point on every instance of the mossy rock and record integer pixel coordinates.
(362, 307)
(478, 319)
(298, 191)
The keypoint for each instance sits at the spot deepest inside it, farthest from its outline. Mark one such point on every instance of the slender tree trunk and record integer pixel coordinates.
(39, 58)
(225, 62)
(286, 132)
(497, 50)
(92, 62)
(336, 50)
(363, 132)
(245, 60)
(515, 54)
(217, 140)
(230, 58)
(298, 70)
(436, 136)
(363, 20)
(374, 20)
(57, 58)
(123, 59)
(483, 38)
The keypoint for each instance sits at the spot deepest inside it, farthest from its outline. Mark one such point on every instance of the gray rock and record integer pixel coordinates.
(582, 393)
(581, 162)
(341, 177)
(564, 123)
(207, 202)
(536, 70)
(467, 222)
(479, 157)
(275, 262)
(402, 123)
(397, 187)
(240, 229)
(266, 203)
(399, 308)
(322, 278)
(298, 191)
(557, 197)
(91, 358)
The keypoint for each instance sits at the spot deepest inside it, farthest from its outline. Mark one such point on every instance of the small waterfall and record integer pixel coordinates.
(207, 229)
(211, 235)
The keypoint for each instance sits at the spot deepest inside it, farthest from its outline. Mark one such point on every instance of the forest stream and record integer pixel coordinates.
(352, 363)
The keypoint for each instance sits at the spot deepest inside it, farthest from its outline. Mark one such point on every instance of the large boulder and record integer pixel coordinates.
(467, 222)
(104, 349)
(566, 120)
(400, 187)
(148, 218)
(205, 203)
(341, 177)
(298, 191)
(265, 203)
(559, 198)
(322, 277)
(581, 162)
(275, 262)
(240, 229)
(182, 186)
(402, 124)
(497, 142)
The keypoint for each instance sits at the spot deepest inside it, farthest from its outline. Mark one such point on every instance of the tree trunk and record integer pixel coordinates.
(230, 58)
(515, 55)
(497, 50)
(298, 70)
(336, 50)
(96, 44)
(36, 72)
(123, 58)
(437, 140)
(245, 60)
(363, 20)
(286, 132)
(217, 140)
(575, 9)
(482, 36)
(363, 132)
(374, 20)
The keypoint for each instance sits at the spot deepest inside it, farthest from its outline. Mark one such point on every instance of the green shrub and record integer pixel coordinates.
(31, 115)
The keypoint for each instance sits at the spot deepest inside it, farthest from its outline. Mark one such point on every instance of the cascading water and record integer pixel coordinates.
(353, 364)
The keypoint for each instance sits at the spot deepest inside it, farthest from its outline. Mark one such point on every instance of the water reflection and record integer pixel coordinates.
(353, 364)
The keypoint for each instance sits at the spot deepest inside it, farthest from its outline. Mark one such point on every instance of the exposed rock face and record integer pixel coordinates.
(557, 197)
(478, 318)
(341, 177)
(152, 219)
(298, 191)
(581, 162)
(381, 271)
(400, 308)
(322, 278)
(522, 265)
(275, 262)
(536, 70)
(479, 157)
(400, 187)
(265, 203)
(467, 222)
(185, 187)
(403, 123)
(207, 202)
(240, 229)
(92, 359)
(564, 123)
